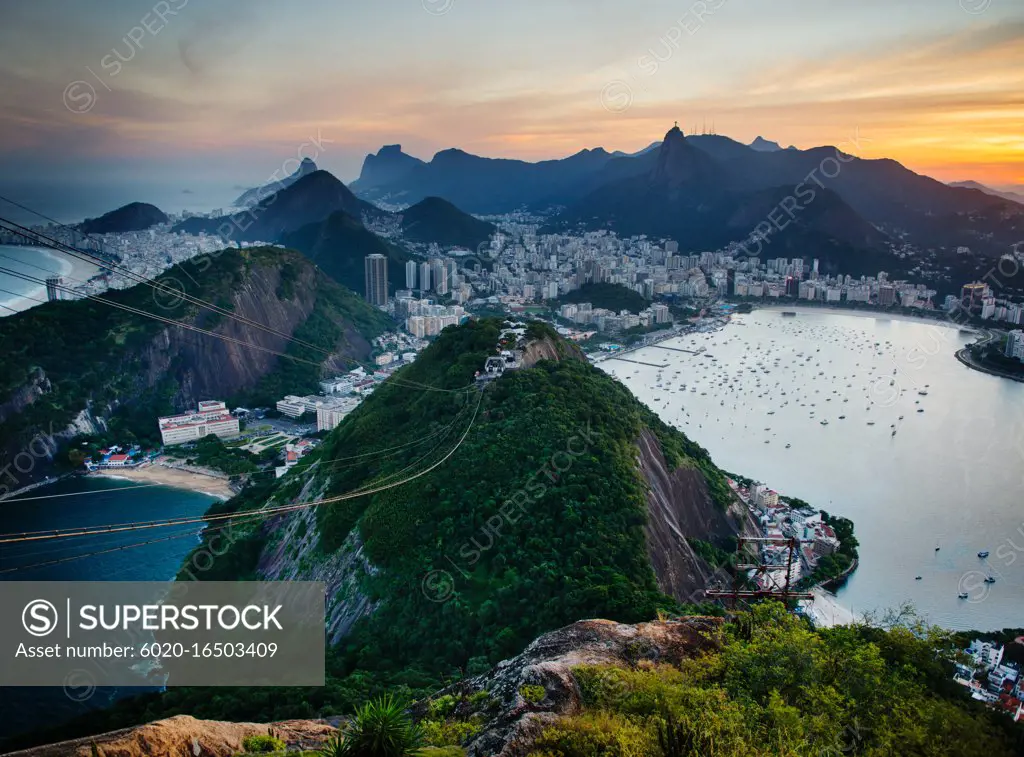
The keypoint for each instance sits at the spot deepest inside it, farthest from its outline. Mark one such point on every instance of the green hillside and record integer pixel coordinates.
(613, 297)
(339, 246)
(436, 220)
(72, 355)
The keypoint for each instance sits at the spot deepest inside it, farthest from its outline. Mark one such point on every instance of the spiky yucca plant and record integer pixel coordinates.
(380, 728)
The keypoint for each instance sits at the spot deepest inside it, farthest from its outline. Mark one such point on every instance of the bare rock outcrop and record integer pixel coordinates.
(547, 348)
(680, 507)
(185, 736)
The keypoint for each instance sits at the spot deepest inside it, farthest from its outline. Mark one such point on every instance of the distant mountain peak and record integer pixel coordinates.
(258, 194)
(679, 161)
(675, 133)
(135, 216)
(765, 145)
(389, 164)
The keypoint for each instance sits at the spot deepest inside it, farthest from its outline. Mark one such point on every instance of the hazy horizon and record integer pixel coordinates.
(185, 93)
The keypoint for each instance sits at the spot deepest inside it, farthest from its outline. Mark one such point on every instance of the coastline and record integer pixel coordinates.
(174, 478)
(876, 314)
(74, 269)
(964, 357)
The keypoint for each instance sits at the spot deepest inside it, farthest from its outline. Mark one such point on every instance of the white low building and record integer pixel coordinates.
(212, 417)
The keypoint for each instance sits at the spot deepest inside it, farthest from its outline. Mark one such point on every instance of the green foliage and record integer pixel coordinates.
(532, 693)
(599, 733)
(534, 547)
(381, 728)
(777, 687)
(448, 732)
(262, 743)
(443, 706)
(610, 296)
(712, 555)
(210, 452)
(334, 746)
(341, 322)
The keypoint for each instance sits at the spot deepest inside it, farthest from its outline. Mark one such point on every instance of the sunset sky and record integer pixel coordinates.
(224, 91)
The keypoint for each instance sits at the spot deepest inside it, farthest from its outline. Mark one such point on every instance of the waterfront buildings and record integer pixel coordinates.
(54, 288)
(1015, 345)
(211, 417)
(990, 679)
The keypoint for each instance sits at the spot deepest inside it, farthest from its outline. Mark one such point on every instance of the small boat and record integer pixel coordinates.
(989, 580)
(938, 548)
(917, 578)
(983, 554)
(962, 595)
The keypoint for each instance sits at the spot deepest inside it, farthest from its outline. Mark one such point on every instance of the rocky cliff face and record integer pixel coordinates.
(295, 554)
(513, 722)
(550, 349)
(679, 508)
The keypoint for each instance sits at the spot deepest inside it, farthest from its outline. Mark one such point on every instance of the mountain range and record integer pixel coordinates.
(320, 217)
(701, 190)
(1011, 196)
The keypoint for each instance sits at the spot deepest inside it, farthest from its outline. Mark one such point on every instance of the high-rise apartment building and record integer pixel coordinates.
(376, 279)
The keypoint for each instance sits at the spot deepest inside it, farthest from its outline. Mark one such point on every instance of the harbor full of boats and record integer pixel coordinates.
(869, 418)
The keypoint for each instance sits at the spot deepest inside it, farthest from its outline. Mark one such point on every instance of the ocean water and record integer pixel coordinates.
(951, 477)
(72, 202)
(111, 557)
(40, 263)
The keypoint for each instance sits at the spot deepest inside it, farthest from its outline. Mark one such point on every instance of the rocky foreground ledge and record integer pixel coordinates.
(512, 722)
(184, 736)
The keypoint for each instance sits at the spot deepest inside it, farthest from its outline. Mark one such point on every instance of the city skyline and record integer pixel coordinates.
(195, 94)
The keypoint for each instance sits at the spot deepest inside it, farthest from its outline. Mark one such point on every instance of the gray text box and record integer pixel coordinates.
(188, 633)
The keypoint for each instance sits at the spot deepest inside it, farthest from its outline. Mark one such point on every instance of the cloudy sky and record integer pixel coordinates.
(225, 90)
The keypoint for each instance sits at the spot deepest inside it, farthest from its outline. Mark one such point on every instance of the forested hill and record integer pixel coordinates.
(72, 366)
(613, 297)
(542, 516)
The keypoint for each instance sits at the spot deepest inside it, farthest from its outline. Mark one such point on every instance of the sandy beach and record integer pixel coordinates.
(179, 479)
(30, 260)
